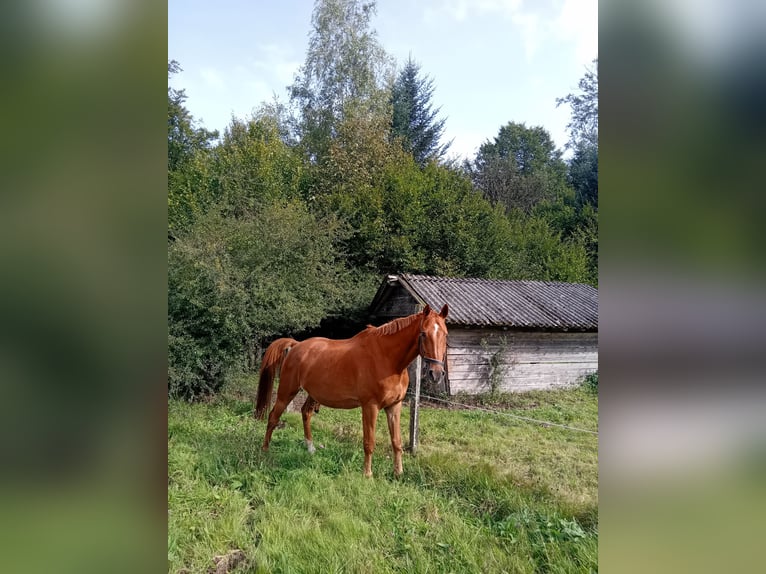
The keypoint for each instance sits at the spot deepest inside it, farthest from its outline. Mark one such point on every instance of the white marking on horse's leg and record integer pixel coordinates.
(310, 446)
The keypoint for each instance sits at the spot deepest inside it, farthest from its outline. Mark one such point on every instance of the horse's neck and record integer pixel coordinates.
(402, 346)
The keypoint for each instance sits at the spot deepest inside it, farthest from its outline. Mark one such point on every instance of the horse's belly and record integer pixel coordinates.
(342, 390)
(338, 403)
(332, 397)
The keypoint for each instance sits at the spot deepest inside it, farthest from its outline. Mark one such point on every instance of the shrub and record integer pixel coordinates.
(235, 283)
(591, 382)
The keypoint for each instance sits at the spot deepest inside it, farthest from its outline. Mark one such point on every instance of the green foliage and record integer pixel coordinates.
(542, 253)
(190, 194)
(234, 283)
(460, 233)
(583, 137)
(347, 183)
(403, 218)
(188, 147)
(577, 224)
(413, 119)
(345, 64)
(253, 166)
(496, 366)
(184, 139)
(583, 127)
(583, 174)
(591, 382)
(519, 168)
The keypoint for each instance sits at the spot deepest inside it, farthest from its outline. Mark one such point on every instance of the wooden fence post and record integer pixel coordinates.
(415, 407)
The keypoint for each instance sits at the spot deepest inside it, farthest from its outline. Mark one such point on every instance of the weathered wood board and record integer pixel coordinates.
(477, 359)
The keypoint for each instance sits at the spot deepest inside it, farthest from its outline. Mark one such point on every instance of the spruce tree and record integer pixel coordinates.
(414, 120)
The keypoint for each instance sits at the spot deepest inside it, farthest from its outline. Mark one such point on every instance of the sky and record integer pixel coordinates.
(491, 61)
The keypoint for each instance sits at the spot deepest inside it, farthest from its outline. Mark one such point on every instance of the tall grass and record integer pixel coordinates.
(485, 493)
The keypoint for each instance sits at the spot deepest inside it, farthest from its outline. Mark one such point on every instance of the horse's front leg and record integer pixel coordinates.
(369, 420)
(393, 414)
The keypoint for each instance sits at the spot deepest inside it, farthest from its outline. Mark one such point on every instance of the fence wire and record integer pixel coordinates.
(506, 414)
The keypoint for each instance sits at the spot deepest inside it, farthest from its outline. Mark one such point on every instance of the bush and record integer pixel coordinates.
(591, 382)
(233, 284)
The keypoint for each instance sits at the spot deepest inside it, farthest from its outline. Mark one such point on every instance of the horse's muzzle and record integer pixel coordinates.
(435, 372)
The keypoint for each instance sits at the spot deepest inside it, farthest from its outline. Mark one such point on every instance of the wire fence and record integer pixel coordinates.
(507, 414)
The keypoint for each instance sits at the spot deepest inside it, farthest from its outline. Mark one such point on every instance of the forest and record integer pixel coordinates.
(290, 218)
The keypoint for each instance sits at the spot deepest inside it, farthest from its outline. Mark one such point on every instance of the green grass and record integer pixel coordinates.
(484, 494)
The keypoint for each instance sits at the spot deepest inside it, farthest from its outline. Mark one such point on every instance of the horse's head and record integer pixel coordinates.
(432, 344)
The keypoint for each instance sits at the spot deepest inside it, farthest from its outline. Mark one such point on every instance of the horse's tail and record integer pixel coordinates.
(270, 365)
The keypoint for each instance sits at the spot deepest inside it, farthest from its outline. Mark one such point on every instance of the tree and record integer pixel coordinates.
(583, 137)
(253, 166)
(188, 149)
(413, 119)
(235, 283)
(541, 253)
(347, 183)
(345, 65)
(519, 168)
(576, 223)
(183, 138)
(583, 127)
(583, 173)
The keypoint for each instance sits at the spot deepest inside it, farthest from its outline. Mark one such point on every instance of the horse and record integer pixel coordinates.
(270, 366)
(369, 370)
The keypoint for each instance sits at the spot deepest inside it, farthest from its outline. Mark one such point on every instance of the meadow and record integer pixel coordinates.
(485, 493)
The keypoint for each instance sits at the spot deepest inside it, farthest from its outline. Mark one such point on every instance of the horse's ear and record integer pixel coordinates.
(426, 310)
(444, 311)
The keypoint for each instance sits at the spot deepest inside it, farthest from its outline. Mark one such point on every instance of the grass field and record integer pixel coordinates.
(485, 493)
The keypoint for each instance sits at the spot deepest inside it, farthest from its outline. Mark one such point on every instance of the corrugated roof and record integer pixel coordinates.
(521, 304)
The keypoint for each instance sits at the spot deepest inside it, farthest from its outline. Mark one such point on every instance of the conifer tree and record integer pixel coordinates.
(414, 120)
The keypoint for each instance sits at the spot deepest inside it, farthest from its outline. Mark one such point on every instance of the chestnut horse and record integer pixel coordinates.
(368, 370)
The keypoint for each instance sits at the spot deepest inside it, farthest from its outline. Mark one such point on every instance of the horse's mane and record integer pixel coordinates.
(392, 326)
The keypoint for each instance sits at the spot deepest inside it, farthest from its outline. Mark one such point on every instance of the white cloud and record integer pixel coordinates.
(577, 22)
(276, 62)
(252, 88)
(459, 10)
(528, 22)
(531, 32)
(213, 78)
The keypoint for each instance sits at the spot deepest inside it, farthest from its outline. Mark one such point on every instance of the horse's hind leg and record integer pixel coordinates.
(309, 408)
(276, 412)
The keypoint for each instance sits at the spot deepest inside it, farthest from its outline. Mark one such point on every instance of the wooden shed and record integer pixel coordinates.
(503, 335)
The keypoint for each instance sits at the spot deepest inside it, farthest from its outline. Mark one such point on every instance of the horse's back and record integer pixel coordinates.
(327, 369)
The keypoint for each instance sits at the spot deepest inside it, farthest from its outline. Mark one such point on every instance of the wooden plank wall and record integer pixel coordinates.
(399, 304)
(524, 360)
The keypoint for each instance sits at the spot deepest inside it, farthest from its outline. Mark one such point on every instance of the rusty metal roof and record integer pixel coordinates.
(498, 303)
